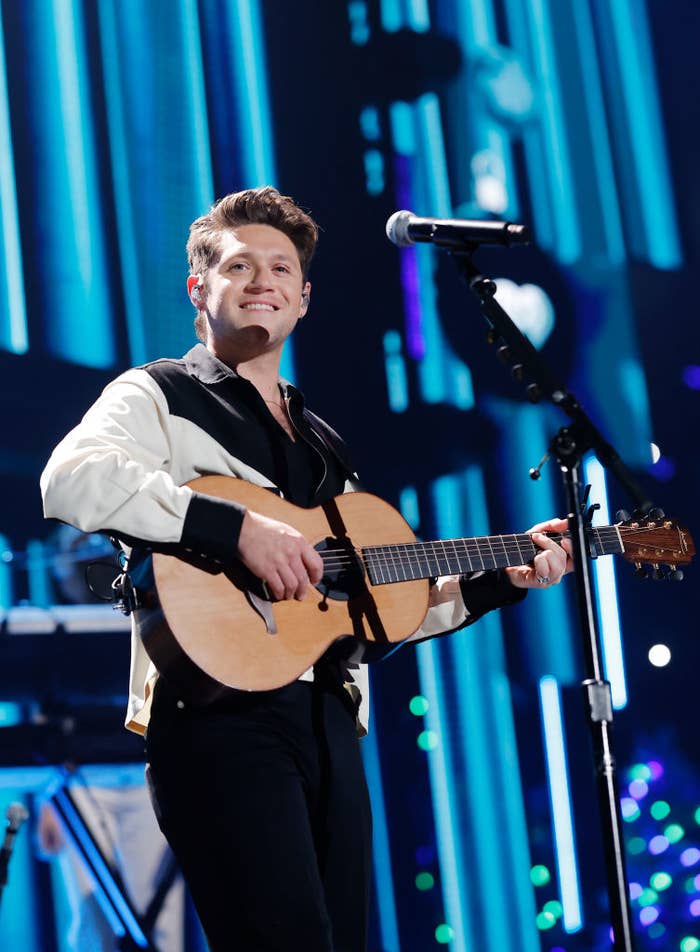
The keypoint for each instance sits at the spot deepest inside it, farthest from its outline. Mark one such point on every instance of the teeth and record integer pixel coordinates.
(258, 307)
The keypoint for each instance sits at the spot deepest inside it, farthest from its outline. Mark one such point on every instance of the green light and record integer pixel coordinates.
(674, 832)
(427, 740)
(636, 845)
(689, 944)
(539, 875)
(424, 881)
(418, 705)
(656, 930)
(554, 907)
(648, 897)
(660, 881)
(640, 772)
(689, 885)
(444, 933)
(696, 816)
(631, 817)
(545, 920)
(660, 810)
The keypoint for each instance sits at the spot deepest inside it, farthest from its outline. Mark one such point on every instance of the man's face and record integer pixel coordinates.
(252, 297)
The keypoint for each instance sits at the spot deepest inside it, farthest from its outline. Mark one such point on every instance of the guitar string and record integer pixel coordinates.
(380, 555)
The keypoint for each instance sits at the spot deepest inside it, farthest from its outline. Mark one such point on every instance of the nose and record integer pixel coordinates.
(261, 278)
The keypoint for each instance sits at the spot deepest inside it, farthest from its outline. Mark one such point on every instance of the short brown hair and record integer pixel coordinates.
(254, 206)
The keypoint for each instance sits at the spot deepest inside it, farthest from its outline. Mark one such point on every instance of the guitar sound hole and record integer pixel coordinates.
(344, 576)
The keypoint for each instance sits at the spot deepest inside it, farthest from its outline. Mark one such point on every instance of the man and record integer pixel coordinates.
(261, 794)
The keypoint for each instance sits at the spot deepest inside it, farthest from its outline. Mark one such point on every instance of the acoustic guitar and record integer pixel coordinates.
(214, 627)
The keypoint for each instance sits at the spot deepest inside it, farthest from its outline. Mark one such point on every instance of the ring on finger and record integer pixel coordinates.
(542, 579)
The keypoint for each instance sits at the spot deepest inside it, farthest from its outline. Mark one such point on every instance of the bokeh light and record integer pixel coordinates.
(427, 740)
(658, 844)
(425, 881)
(418, 705)
(660, 809)
(540, 875)
(444, 933)
(659, 655)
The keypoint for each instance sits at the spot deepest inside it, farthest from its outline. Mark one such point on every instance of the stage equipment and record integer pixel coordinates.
(568, 446)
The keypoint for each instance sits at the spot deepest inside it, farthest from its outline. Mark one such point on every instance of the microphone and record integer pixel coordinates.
(16, 814)
(404, 229)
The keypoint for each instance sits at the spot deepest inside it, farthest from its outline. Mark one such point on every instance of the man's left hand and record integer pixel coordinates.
(550, 564)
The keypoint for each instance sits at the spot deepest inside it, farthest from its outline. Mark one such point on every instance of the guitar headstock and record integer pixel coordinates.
(656, 542)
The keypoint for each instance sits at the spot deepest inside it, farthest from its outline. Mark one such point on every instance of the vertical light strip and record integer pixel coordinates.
(6, 586)
(442, 374)
(125, 200)
(560, 802)
(554, 133)
(635, 63)
(549, 169)
(13, 330)
(19, 922)
(432, 147)
(82, 263)
(381, 847)
(391, 15)
(604, 579)
(483, 136)
(441, 772)
(418, 15)
(395, 369)
(196, 107)
(487, 737)
(252, 92)
(601, 154)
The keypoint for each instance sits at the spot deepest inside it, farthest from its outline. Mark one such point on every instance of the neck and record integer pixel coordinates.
(262, 370)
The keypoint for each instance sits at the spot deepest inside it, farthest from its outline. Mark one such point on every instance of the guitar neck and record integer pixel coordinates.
(401, 563)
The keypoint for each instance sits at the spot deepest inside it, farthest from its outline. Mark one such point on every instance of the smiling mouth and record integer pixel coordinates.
(258, 307)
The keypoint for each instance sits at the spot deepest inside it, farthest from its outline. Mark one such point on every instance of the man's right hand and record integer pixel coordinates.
(279, 555)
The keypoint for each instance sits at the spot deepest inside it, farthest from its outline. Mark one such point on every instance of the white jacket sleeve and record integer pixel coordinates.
(111, 470)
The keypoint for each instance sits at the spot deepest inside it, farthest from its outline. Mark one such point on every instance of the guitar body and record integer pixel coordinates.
(209, 632)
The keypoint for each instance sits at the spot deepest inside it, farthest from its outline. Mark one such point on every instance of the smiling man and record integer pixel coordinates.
(262, 793)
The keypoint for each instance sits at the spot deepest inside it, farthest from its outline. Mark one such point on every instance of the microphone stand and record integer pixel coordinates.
(568, 446)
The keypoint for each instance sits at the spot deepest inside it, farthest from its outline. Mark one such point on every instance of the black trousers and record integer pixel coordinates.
(263, 799)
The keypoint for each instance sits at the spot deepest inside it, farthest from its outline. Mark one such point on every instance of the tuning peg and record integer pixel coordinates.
(492, 335)
(657, 573)
(676, 575)
(640, 570)
(534, 394)
(622, 515)
(657, 513)
(503, 353)
(517, 372)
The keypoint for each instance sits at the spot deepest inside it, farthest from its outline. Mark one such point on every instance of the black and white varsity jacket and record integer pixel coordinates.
(156, 427)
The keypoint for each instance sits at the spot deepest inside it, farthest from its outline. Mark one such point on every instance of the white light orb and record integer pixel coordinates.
(659, 655)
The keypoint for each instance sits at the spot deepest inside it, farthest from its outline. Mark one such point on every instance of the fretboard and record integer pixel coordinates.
(402, 563)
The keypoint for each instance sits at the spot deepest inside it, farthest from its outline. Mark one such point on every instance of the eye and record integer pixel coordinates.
(237, 266)
(282, 267)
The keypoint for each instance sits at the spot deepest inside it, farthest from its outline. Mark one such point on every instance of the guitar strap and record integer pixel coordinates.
(335, 445)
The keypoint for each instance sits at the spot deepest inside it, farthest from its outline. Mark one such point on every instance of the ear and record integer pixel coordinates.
(305, 299)
(194, 290)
